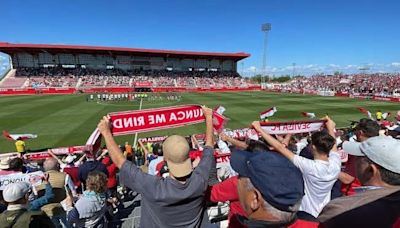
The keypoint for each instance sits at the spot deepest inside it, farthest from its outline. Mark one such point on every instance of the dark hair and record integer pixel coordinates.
(389, 177)
(323, 141)
(16, 164)
(256, 146)
(157, 149)
(369, 127)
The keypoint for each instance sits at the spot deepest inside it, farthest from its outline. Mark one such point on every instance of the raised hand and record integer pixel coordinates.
(104, 125)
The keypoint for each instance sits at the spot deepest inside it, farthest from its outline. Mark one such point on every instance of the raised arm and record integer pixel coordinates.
(114, 151)
(279, 147)
(78, 163)
(330, 126)
(240, 144)
(102, 155)
(209, 128)
(346, 178)
(195, 142)
(55, 157)
(145, 151)
(45, 199)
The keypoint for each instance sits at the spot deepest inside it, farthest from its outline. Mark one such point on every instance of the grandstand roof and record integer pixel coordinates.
(10, 48)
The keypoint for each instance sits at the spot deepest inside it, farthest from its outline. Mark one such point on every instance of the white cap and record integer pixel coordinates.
(15, 191)
(69, 159)
(4, 163)
(382, 150)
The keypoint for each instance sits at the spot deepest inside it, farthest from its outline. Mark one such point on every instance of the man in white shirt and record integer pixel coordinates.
(153, 163)
(319, 174)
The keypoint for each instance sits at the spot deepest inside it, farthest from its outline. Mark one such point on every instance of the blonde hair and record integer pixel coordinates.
(97, 182)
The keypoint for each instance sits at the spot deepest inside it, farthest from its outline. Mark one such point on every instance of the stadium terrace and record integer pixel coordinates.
(70, 66)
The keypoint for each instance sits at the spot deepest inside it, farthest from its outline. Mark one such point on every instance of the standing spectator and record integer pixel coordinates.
(140, 156)
(377, 203)
(378, 115)
(70, 168)
(128, 151)
(112, 169)
(268, 199)
(90, 165)
(158, 152)
(20, 145)
(16, 165)
(365, 129)
(319, 174)
(89, 210)
(18, 213)
(177, 200)
(227, 191)
(59, 181)
(158, 158)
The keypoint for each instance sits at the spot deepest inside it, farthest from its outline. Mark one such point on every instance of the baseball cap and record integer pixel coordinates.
(15, 191)
(382, 150)
(69, 159)
(4, 163)
(279, 181)
(176, 153)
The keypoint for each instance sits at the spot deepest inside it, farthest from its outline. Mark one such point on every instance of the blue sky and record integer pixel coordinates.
(318, 36)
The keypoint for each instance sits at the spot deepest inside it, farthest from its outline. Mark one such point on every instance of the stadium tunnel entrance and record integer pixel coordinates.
(141, 90)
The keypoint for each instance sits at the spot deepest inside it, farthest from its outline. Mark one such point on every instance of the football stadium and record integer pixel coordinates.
(122, 136)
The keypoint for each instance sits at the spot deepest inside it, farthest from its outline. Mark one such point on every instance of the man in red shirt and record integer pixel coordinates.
(112, 174)
(227, 191)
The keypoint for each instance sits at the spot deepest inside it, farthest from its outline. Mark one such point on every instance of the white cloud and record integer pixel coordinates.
(333, 65)
(252, 69)
(395, 64)
(312, 68)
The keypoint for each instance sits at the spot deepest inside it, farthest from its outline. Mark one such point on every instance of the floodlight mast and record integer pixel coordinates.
(266, 27)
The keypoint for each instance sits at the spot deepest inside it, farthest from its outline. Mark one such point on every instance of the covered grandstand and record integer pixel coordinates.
(36, 66)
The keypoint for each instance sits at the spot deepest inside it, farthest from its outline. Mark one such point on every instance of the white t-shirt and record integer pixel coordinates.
(153, 165)
(301, 145)
(319, 177)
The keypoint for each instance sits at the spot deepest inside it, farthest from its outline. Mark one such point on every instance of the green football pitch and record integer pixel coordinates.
(68, 120)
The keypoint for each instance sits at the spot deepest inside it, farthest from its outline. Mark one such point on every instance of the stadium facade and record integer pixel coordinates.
(126, 59)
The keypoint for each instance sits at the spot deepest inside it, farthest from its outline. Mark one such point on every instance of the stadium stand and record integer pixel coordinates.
(123, 205)
(379, 84)
(84, 78)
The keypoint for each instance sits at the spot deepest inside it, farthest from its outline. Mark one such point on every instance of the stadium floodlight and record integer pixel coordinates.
(266, 27)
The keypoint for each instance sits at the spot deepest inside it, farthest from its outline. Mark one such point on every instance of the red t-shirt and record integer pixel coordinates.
(227, 191)
(348, 189)
(195, 154)
(112, 172)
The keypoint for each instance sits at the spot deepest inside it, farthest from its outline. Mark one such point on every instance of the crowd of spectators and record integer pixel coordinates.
(380, 84)
(83, 78)
(300, 180)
